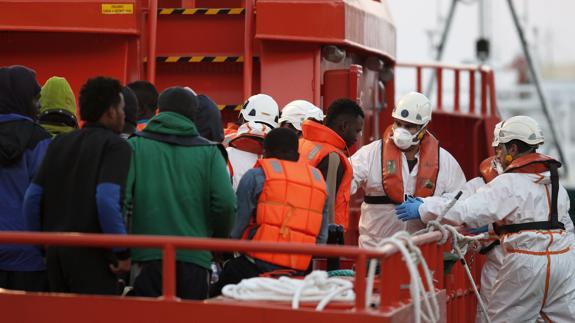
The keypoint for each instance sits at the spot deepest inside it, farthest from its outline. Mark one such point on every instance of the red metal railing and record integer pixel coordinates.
(248, 47)
(152, 18)
(487, 85)
(391, 261)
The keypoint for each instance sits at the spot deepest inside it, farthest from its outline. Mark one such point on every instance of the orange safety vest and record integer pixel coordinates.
(486, 169)
(317, 142)
(230, 133)
(290, 209)
(391, 161)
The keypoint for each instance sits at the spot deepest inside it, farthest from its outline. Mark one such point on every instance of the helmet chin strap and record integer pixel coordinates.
(419, 134)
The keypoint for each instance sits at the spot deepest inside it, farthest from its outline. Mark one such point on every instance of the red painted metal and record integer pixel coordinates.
(456, 103)
(169, 272)
(152, 37)
(248, 47)
(418, 79)
(472, 92)
(439, 77)
(484, 87)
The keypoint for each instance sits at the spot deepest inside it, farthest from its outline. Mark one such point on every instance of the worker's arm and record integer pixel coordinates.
(249, 190)
(222, 196)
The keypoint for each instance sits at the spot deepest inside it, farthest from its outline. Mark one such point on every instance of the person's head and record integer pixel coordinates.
(260, 108)
(19, 91)
(345, 117)
(58, 104)
(296, 112)
(411, 117)
(147, 98)
(101, 100)
(518, 136)
(281, 143)
(209, 119)
(179, 100)
(131, 111)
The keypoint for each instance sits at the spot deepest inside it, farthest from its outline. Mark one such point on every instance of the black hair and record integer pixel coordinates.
(147, 95)
(130, 110)
(282, 143)
(522, 147)
(179, 100)
(97, 95)
(342, 108)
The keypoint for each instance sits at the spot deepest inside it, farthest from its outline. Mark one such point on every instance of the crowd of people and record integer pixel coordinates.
(135, 161)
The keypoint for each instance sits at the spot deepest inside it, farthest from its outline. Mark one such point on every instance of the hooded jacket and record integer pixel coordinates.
(23, 144)
(209, 119)
(57, 107)
(178, 185)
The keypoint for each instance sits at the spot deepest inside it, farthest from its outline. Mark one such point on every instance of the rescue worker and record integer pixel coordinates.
(147, 101)
(189, 196)
(57, 112)
(280, 200)
(244, 150)
(296, 112)
(528, 208)
(414, 164)
(259, 108)
(23, 144)
(78, 189)
(326, 147)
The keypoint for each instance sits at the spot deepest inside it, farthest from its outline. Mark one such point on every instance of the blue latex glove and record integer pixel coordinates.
(409, 210)
(479, 230)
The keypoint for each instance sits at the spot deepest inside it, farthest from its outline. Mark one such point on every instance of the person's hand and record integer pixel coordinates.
(122, 267)
(409, 210)
(476, 231)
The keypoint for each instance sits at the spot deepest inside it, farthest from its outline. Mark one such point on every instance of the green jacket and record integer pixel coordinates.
(178, 190)
(57, 98)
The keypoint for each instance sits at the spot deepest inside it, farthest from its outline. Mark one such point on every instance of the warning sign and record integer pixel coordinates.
(117, 8)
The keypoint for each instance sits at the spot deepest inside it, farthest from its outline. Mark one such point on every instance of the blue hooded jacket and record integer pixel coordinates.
(23, 144)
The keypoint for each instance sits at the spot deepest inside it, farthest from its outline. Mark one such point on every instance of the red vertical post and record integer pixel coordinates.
(492, 97)
(418, 78)
(472, 91)
(152, 37)
(360, 270)
(439, 88)
(169, 272)
(248, 47)
(483, 93)
(456, 106)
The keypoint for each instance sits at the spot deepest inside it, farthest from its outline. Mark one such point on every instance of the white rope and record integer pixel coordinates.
(315, 287)
(411, 256)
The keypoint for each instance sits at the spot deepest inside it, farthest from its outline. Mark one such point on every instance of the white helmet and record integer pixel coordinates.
(495, 142)
(521, 128)
(261, 108)
(414, 108)
(297, 111)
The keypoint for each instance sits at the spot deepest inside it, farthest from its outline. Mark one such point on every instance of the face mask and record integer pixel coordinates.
(498, 167)
(402, 138)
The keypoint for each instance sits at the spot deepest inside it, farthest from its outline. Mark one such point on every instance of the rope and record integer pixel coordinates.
(315, 287)
(411, 256)
(341, 273)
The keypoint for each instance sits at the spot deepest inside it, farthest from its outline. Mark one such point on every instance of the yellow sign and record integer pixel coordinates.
(117, 8)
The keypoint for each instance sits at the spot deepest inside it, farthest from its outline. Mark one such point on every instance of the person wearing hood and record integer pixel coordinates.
(131, 111)
(57, 107)
(407, 161)
(23, 144)
(147, 101)
(209, 119)
(528, 209)
(181, 176)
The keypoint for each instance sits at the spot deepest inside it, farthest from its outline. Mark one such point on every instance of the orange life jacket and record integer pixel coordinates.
(289, 209)
(317, 142)
(428, 167)
(533, 163)
(486, 169)
(141, 126)
(230, 133)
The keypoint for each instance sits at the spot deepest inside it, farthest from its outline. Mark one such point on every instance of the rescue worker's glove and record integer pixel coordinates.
(409, 210)
(479, 230)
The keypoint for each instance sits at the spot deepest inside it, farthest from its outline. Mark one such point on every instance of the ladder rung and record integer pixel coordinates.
(201, 11)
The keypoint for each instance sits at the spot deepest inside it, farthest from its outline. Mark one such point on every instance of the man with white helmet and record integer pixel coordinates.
(528, 208)
(296, 112)
(414, 164)
(245, 148)
(259, 108)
